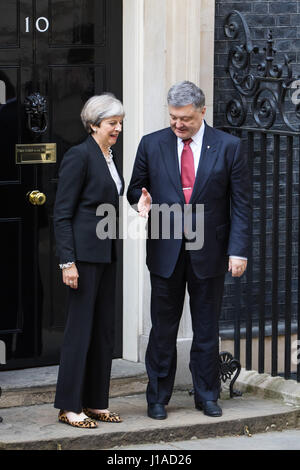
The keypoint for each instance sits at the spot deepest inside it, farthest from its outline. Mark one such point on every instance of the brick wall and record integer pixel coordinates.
(283, 18)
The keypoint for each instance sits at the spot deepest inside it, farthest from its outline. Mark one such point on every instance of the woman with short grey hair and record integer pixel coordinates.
(88, 178)
(98, 108)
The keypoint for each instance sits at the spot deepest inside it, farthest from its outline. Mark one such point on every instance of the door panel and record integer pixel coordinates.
(9, 122)
(9, 23)
(67, 51)
(70, 86)
(78, 26)
(11, 236)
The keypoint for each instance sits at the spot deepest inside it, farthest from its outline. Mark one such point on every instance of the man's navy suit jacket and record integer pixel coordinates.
(221, 185)
(84, 183)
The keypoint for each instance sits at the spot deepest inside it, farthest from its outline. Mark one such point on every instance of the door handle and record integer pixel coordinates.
(36, 198)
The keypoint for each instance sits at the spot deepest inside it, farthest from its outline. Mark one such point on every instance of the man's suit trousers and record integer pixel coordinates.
(86, 355)
(167, 299)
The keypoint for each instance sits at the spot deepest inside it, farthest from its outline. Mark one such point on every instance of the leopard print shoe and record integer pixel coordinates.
(87, 423)
(105, 417)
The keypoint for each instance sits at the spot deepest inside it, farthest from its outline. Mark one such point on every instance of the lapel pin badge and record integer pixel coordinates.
(208, 146)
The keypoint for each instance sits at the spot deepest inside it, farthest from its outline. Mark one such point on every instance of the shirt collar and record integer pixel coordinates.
(197, 138)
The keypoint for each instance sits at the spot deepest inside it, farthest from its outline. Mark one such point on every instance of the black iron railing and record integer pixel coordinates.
(268, 296)
(265, 114)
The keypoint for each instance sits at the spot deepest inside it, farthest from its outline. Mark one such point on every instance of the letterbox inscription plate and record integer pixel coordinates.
(35, 153)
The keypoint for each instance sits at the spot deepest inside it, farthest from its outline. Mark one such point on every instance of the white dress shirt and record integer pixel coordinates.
(196, 147)
(114, 173)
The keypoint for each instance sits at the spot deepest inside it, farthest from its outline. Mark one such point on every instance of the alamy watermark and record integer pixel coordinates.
(167, 222)
(2, 352)
(296, 94)
(295, 357)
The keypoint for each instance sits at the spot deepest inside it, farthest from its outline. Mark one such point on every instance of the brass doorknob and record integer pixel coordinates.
(36, 198)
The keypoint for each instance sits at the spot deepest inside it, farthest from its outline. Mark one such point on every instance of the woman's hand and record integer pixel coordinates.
(70, 276)
(144, 204)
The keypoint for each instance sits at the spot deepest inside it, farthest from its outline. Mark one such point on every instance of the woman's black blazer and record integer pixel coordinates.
(84, 183)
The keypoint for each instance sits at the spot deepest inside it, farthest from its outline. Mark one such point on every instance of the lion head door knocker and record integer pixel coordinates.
(37, 113)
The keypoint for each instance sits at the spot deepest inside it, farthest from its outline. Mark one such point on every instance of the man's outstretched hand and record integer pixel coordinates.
(144, 204)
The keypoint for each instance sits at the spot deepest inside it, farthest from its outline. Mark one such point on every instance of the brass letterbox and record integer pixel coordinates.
(35, 153)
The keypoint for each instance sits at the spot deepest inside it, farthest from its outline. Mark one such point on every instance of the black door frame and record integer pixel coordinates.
(113, 83)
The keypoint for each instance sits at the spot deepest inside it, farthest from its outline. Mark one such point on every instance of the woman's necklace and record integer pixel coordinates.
(108, 157)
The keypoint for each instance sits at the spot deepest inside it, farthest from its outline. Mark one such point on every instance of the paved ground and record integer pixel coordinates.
(284, 440)
(36, 427)
(45, 376)
(251, 422)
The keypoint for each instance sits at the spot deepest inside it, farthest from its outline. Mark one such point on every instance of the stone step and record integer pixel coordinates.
(37, 428)
(37, 386)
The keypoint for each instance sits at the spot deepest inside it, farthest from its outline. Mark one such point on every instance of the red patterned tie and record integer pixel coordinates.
(187, 170)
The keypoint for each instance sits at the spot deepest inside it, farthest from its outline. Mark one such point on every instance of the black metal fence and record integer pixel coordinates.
(265, 113)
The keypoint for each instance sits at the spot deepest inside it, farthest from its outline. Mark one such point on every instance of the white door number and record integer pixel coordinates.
(41, 24)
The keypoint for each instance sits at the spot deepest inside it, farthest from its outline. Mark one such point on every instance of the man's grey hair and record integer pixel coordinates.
(100, 107)
(185, 93)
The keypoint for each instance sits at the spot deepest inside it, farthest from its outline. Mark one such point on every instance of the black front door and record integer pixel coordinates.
(54, 55)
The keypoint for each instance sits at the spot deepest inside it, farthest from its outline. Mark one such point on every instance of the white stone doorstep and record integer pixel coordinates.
(267, 386)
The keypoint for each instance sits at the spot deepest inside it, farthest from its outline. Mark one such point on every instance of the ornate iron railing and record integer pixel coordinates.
(255, 74)
(265, 113)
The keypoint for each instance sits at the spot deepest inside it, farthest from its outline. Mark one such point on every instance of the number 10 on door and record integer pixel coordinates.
(41, 24)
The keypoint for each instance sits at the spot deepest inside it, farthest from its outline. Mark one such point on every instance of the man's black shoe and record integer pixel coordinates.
(209, 408)
(157, 411)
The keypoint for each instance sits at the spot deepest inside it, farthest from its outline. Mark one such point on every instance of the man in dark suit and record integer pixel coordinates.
(189, 164)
